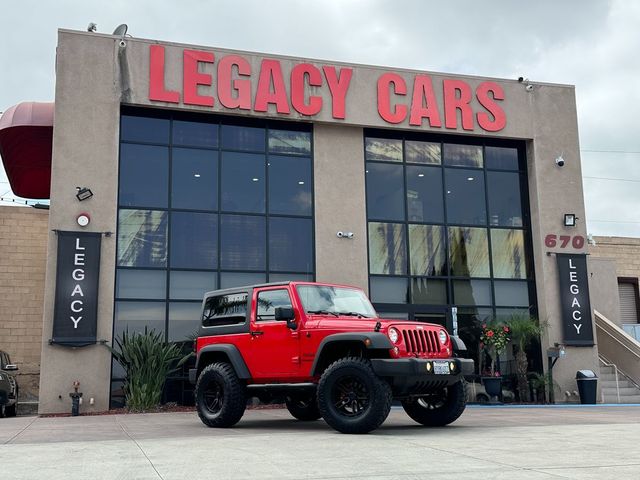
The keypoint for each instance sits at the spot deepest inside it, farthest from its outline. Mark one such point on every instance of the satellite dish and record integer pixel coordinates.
(121, 30)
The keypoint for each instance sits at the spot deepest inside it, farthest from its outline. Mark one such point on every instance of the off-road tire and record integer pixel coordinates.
(359, 410)
(11, 411)
(220, 396)
(303, 407)
(440, 408)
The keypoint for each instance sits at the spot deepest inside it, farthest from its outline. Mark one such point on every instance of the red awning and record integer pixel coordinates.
(26, 137)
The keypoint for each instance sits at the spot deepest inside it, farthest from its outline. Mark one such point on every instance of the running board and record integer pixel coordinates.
(280, 386)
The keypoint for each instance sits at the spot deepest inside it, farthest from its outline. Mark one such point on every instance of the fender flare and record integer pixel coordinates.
(235, 357)
(378, 341)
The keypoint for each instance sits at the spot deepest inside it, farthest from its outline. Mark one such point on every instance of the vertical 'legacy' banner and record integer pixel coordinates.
(577, 325)
(76, 308)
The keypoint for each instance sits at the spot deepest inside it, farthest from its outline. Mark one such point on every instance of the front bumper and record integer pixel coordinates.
(417, 375)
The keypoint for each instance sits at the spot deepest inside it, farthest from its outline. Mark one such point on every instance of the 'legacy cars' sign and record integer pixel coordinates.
(233, 82)
(574, 296)
(76, 307)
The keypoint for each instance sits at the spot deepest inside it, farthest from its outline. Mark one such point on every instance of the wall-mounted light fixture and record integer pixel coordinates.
(83, 193)
(570, 219)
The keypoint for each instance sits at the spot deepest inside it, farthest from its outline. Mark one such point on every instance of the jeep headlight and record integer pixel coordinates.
(393, 335)
(442, 335)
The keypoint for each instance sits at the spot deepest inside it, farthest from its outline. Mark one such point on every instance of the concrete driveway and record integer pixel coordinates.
(490, 442)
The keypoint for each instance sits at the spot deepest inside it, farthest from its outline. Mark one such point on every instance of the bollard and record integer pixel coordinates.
(75, 399)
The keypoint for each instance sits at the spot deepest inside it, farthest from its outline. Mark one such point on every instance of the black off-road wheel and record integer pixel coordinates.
(220, 396)
(303, 407)
(351, 398)
(439, 408)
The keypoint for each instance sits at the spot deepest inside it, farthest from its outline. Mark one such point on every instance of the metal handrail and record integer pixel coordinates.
(606, 363)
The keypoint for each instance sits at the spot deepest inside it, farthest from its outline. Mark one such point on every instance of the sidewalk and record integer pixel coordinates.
(584, 442)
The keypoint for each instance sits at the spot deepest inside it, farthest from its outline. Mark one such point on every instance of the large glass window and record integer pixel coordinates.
(448, 227)
(207, 202)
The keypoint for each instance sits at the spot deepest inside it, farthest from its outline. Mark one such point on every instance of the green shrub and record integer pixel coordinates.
(147, 361)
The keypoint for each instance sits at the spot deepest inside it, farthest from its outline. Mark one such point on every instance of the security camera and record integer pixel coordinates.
(349, 234)
(523, 79)
(528, 88)
(92, 27)
(560, 161)
(340, 234)
(122, 44)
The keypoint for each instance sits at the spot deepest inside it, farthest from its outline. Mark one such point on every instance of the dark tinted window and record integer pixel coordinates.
(385, 187)
(424, 194)
(184, 320)
(290, 185)
(225, 310)
(243, 243)
(195, 134)
(138, 316)
(270, 300)
(194, 179)
(501, 158)
(144, 129)
(243, 138)
(191, 285)
(290, 242)
(144, 175)
(505, 204)
(466, 203)
(194, 240)
(243, 182)
(389, 290)
(139, 284)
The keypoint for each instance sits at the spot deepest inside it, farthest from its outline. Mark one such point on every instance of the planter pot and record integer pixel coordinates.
(493, 387)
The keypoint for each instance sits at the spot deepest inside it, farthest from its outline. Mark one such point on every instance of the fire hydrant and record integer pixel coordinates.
(75, 399)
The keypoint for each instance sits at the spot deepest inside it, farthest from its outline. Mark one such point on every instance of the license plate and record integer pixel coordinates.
(441, 368)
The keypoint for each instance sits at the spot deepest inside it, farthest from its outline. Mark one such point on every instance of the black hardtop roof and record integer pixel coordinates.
(245, 289)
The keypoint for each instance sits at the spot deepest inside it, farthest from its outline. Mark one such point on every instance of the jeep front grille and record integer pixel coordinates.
(421, 341)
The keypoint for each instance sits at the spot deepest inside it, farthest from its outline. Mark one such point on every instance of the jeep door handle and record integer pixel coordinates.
(256, 333)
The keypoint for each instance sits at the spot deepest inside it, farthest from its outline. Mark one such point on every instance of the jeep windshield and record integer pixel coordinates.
(320, 299)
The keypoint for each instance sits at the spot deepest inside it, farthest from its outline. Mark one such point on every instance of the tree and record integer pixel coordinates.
(524, 329)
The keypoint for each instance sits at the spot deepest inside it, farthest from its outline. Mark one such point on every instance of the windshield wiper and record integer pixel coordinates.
(323, 312)
(353, 314)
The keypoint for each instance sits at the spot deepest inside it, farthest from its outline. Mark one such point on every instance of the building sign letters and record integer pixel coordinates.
(76, 301)
(229, 84)
(577, 325)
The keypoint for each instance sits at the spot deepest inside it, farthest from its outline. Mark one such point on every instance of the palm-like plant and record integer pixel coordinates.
(524, 329)
(147, 361)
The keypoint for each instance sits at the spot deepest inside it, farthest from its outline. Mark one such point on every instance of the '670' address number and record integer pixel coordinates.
(552, 240)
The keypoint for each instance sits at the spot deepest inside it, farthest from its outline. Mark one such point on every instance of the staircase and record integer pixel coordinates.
(616, 387)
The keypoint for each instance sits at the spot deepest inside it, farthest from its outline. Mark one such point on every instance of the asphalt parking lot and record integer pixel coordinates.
(489, 442)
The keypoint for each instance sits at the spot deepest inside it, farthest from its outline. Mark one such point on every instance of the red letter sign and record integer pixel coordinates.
(242, 87)
(499, 118)
(270, 72)
(298, 74)
(423, 91)
(453, 102)
(338, 85)
(192, 78)
(399, 112)
(157, 91)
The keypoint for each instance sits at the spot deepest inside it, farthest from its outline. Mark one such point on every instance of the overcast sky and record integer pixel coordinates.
(592, 44)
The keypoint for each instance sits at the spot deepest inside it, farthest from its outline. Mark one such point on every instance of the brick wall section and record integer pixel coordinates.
(624, 250)
(23, 253)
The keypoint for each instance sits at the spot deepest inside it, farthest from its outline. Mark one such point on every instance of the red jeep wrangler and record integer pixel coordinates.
(325, 350)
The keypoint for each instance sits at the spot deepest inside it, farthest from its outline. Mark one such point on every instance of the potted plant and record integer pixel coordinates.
(524, 328)
(494, 338)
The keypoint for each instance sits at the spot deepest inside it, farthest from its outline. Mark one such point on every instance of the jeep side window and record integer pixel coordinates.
(225, 310)
(268, 301)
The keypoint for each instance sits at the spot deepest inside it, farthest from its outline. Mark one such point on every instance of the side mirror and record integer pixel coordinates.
(287, 314)
(10, 367)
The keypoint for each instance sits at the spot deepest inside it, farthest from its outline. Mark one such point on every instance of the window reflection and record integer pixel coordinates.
(290, 185)
(383, 149)
(463, 155)
(427, 250)
(469, 252)
(243, 182)
(501, 158)
(387, 249)
(422, 152)
(142, 238)
(428, 291)
(287, 141)
(507, 247)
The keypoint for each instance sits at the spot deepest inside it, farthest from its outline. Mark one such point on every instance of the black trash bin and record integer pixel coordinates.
(587, 386)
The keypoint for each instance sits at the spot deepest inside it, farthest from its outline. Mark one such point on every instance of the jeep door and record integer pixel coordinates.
(274, 347)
